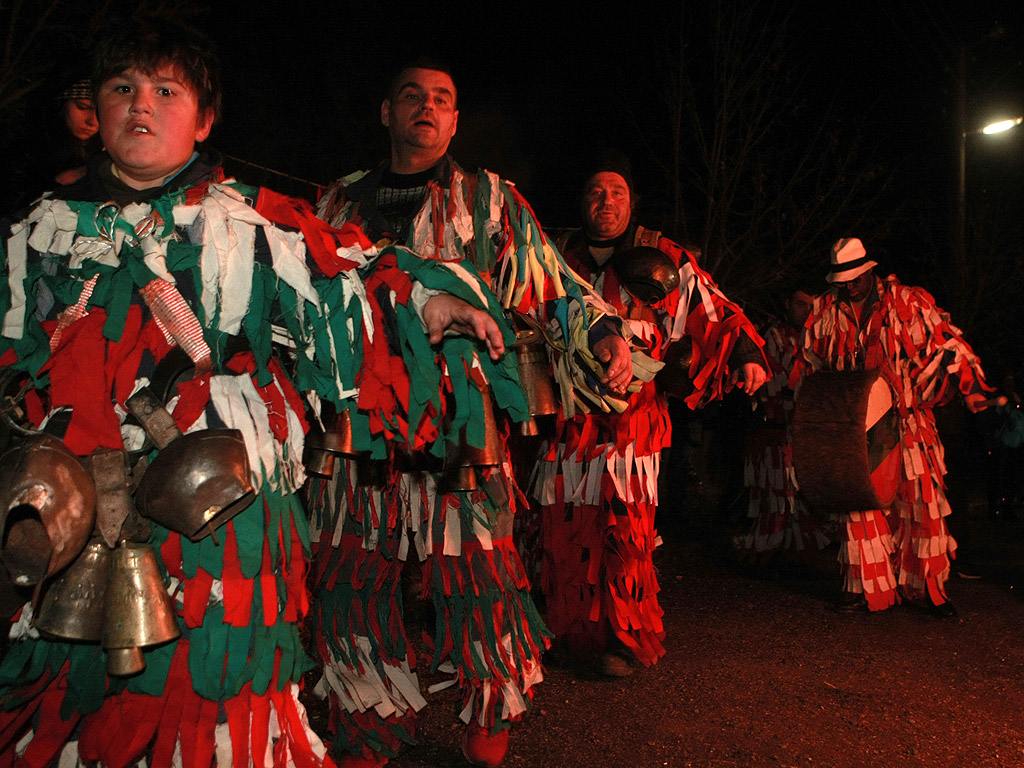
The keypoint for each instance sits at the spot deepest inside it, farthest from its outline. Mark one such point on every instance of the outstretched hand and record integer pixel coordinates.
(749, 377)
(976, 402)
(614, 351)
(445, 312)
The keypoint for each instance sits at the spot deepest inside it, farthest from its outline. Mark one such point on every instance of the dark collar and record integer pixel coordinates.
(99, 183)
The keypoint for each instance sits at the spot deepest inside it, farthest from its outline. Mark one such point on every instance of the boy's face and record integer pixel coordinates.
(150, 124)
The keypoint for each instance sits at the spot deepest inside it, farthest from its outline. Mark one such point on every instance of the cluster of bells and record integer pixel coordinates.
(464, 463)
(645, 272)
(71, 531)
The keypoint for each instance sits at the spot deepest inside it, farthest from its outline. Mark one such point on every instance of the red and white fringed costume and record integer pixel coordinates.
(926, 361)
(781, 522)
(598, 483)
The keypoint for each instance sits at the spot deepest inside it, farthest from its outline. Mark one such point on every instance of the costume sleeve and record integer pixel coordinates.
(778, 351)
(531, 278)
(403, 376)
(368, 351)
(702, 316)
(829, 339)
(941, 361)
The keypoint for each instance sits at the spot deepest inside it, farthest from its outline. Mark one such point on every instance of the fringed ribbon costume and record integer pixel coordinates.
(488, 631)
(926, 361)
(95, 294)
(781, 521)
(598, 484)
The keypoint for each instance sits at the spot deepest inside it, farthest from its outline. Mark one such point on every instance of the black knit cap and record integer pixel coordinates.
(611, 161)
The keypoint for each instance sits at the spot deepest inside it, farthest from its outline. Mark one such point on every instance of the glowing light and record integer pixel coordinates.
(1002, 125)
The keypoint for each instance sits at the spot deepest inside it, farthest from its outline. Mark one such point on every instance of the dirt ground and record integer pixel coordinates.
(760, 673)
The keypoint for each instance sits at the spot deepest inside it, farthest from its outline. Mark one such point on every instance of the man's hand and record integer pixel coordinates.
(749, 377)
(446, 312)
(614, 351)
(976, 402)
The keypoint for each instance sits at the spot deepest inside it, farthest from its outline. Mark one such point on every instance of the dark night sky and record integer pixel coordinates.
(541, 87)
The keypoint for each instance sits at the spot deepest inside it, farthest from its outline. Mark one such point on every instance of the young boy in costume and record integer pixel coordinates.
(155, 255)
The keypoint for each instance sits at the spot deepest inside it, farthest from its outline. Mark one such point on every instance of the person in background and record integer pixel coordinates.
(781, 524)
(598, 481)
(82, 139)
(864, 323)
(488, 627)
(154, 271)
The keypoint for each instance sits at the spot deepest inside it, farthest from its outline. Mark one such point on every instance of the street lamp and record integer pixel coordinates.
(1002, 125)
(960, 235)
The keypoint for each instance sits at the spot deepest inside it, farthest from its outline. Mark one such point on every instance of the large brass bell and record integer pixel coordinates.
(138, 611)
(532, 359)
(73, 605)
(198, 481)
(463, 460)
(47, 508)
(646, 273)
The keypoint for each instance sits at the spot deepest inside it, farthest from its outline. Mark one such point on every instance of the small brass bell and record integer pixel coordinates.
(320, 463)
(648, 274)
(463, 459)
(137, 609)
(336, 439)
(73, 604)
(124, 662)
(534, 373)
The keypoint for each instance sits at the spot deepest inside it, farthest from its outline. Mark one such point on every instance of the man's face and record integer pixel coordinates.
(150, 124)
(421, 112)
(857, 289)
(798, 308)
(606, 205)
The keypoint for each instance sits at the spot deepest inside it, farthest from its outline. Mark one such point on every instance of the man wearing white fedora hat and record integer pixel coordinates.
(863, 323)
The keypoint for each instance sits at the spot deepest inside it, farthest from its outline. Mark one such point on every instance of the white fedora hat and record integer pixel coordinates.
(849, 260)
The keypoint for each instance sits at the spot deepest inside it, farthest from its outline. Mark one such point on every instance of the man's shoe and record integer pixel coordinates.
(944, 610)
(851, 602)
(965, 569)
(482, 748)
(614, 665)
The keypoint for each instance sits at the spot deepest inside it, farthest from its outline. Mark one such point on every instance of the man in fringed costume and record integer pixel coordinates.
(867, 323)
(155, 255)
(598, 483)
(488, 630)
(782, 525)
